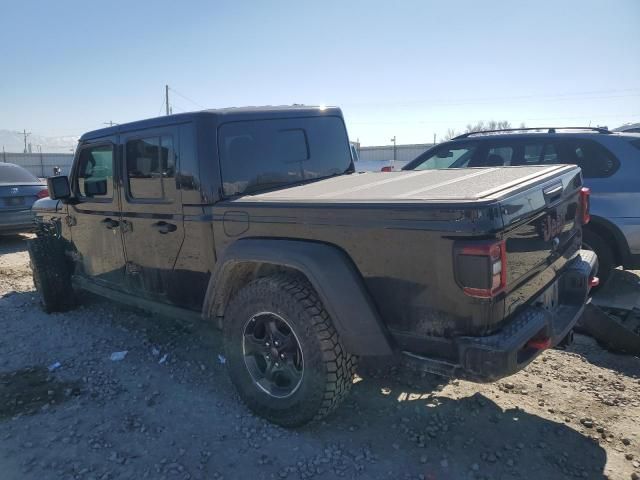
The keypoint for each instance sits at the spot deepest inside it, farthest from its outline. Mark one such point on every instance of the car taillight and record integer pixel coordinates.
(42, 193)
(481, 267)
(585, 205)
(386, 169)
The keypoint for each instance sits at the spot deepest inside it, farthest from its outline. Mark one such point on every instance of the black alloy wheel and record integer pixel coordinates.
(272, 354)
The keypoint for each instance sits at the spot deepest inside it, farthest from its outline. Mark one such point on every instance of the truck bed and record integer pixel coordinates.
(451, 185)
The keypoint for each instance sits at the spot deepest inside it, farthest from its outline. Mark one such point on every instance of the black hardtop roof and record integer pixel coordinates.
(222, 115)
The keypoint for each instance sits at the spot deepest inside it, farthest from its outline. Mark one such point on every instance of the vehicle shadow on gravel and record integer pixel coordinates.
(589, 349)
(467, 437)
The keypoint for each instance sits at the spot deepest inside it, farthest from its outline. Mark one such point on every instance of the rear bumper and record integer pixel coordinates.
(533, 329)
(17, 221)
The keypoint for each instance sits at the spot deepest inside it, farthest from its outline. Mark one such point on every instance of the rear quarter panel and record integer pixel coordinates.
(405, 254)
(617, 198)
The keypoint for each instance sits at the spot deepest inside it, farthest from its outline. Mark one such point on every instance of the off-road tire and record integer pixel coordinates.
(328, 368)
(51, 273)
(606, 258)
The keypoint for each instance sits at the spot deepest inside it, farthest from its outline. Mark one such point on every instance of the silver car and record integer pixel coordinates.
(610, 163)
(19, 189)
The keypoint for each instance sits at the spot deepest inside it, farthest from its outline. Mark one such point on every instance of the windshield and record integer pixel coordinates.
(446, 156)
(10, 173)
(262, 154)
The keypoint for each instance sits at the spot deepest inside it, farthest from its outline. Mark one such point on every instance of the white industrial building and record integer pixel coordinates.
(384, 153)
(40, 164)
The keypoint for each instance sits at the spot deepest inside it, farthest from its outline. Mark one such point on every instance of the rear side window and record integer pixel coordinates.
(151, 168)
(10, 173)
(262, 154)
(95, 172)
(594, 160)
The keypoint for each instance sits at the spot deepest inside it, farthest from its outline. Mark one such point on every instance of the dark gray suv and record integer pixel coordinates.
(610, 163)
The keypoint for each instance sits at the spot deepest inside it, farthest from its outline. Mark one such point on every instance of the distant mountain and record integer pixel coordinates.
(14, 142)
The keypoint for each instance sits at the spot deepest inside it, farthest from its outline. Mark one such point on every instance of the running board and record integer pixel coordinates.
(164, 309)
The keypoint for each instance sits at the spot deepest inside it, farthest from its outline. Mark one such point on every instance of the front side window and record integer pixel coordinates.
(151, 168)
(497, 157)
(262, 154)
(452, 156)
(539, 153)
(95, 172)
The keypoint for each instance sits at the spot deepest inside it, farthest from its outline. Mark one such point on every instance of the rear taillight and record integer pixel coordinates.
(481, 267)
(585, 205)
(386, 169)
(42, 193)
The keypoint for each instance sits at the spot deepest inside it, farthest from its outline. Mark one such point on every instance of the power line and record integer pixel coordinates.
(590, 95)
(160, 110)
(186, 98)
(411, 122)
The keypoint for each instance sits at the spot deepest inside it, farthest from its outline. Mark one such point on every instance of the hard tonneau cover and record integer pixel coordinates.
(450, 185)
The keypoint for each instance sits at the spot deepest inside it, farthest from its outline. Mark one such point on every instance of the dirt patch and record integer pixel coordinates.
(30, 390)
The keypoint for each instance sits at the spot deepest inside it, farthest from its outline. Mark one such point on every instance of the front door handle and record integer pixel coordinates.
(164, 227)
(110, 224)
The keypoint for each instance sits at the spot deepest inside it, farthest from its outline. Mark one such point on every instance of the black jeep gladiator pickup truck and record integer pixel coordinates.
(254, 219)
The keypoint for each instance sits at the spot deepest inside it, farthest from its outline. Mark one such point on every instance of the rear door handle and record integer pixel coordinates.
(164, 227)
(110, 224)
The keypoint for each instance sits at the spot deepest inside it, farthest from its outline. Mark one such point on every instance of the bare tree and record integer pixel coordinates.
(481, 126)
(490, 125)
(450, 134)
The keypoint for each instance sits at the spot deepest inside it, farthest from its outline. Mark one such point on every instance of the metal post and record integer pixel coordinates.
(393, 161)
(41, 161)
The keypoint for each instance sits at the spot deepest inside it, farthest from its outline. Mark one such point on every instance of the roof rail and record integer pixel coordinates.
(548, 129)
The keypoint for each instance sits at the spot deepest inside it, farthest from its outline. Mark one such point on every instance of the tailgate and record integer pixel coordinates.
(542, 225)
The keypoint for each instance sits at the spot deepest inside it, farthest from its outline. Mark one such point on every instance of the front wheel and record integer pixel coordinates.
(283, 354)
(51, 273)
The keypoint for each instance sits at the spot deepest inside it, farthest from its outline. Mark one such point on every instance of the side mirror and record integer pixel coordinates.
(59, 188)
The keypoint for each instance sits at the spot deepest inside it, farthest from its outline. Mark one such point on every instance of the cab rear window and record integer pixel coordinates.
(262, 154)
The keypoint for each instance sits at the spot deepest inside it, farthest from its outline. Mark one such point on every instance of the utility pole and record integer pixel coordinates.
(166, 97)
(26, 134)
(434, 138)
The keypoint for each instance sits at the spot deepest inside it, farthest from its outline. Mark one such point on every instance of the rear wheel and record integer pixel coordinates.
(606, 259)
(283, 354)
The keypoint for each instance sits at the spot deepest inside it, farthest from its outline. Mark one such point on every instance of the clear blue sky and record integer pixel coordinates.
(404, 68)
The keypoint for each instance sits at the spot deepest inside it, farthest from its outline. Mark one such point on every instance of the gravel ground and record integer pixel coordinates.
(168, 410)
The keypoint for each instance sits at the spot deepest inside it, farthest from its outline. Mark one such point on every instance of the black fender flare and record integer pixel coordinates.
(330, 271)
